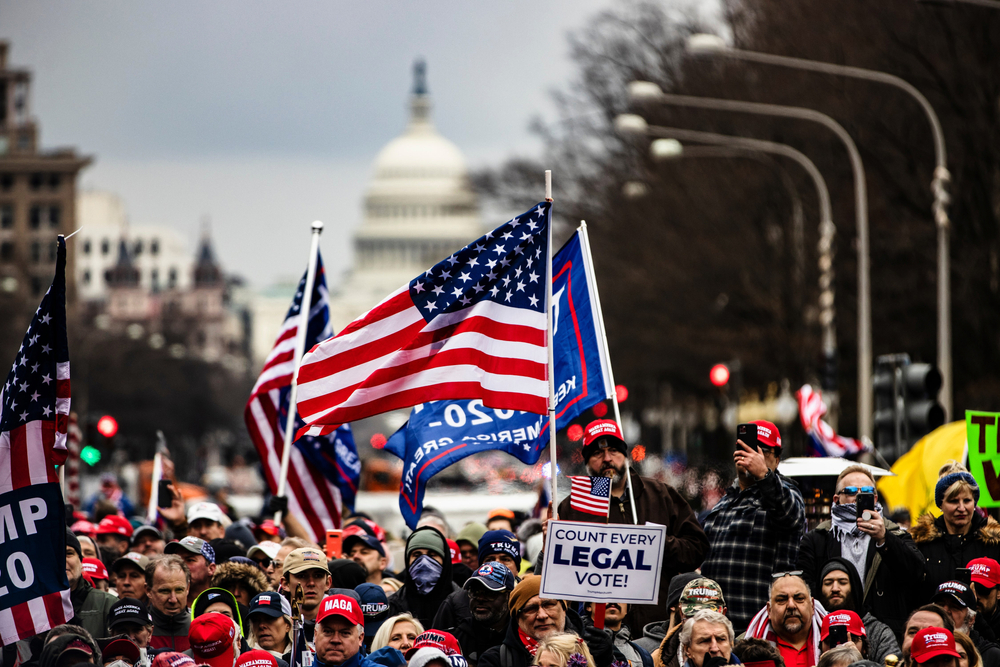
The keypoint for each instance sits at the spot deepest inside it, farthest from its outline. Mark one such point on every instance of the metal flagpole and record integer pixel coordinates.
(589, 258)
(553, 465)
(300, 345)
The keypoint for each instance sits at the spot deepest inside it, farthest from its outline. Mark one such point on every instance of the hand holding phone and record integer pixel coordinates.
(865, 502)
(838, 635)
(165, 494)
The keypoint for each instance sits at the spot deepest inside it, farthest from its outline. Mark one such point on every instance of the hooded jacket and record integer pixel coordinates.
(91, 607)
(881, 639)
(512, 652)
(229, 599)
(231, 575)
(685, 545)
(475, 638)
(408, 599)
(667, 653)
(54, 650)
(890, 571)
(944, 553)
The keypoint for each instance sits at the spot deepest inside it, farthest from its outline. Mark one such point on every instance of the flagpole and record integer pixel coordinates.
(607, 355)
(300, 349)
(553, 464)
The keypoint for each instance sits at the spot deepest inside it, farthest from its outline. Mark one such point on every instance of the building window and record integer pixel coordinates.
(172, 279)
(6, 216)
(53, 249)
(55, 215)
(154, 247)
(36, 252)
(6, 182)
(54, 180)
(154, 280)
(86, 277)
(35, 216)
(36, 181)
(24, 141)
(36, 286)
(6, 251)
(86, 247)
(105, 247)
(138, 247)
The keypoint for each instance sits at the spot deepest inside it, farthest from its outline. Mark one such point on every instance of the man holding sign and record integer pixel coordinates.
(685, 543)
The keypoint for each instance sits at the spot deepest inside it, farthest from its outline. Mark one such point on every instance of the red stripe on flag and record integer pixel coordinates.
(19, 457)
(360, 354)
(387, 308)
(517, 333)
(54, 609)
(23, 621)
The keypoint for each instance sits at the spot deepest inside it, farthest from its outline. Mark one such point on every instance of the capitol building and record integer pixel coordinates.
(418, 209)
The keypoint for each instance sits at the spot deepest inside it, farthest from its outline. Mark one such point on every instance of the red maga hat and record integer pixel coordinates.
(843, 617)
(603, 428)
(211, 637)
(985, 572)
(932, 642)
(113, 524)
(443, 641)
(94, 569)
(341, 605)
(767, 433)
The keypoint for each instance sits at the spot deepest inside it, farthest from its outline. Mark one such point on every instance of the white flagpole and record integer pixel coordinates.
(300, 349)
(585, 238)
(553, 465)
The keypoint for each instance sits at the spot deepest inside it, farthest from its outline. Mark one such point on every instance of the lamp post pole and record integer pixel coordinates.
(714, 45)
(733, 146)
(640, 91)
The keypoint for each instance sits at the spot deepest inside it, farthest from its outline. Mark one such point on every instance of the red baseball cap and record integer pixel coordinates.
(456, 554)
(211, 636)
(932, 642)
(122, 647)
(257, 658)
(603, 428)
(172, 659)
(442, 641)
(767, 433)
(341, 605)
(84, 527)
(985, 572)
(113, 524)
(94, 569)
(843, 617)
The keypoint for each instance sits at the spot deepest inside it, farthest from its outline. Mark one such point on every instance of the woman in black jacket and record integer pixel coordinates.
(959, 535)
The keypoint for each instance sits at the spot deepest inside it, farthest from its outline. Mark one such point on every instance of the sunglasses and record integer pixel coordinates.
(789, 573)
(854, 490)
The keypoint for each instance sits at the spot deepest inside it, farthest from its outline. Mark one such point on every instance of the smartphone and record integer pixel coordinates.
(165, 493)
(865, 501)
(838, 635)
(748, 434)
(333, 538)
(964, 575)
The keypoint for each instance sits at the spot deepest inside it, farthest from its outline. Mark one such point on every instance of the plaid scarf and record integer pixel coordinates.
(760, 628)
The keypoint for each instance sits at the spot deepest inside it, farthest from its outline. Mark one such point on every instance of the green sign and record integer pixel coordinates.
(984, 454)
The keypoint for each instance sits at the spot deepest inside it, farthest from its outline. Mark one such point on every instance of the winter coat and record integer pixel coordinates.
(684, 547)
(667, 654)
(475, 638)
(944, 553)
(512, 653)
(896, 567)
(452, 612)
(424, 607)
(628, 651)
(91, 607)
(652, 635)
(231, 575)
(170, 632)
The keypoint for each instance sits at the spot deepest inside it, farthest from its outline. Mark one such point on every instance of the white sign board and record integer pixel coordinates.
(593, 562)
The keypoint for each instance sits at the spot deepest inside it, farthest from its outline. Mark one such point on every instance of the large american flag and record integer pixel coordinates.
(824, 439)
(473, 326)
(590, 494)
(323, 471)
(34, 415)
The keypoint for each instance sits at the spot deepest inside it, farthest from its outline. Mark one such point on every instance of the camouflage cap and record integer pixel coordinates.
(701, 594)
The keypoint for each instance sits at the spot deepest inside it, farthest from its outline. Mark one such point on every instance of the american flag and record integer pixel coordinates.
(34, 415)
(323, 471)
(473, 326)
(825, 440)
(590, 494)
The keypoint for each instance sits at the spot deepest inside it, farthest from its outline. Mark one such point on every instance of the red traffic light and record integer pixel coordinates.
(107, 426)
(621, 393)
(719, 375)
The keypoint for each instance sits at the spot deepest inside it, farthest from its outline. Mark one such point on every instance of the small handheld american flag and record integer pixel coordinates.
(590, 494)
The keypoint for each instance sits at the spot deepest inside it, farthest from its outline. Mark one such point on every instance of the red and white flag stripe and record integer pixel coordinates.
(393, 358)
(582, 496)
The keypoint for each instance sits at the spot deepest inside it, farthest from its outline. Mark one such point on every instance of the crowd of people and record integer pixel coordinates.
(744, 584)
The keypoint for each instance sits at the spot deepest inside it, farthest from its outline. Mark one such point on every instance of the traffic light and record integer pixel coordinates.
(719, 375)
(906, 407)
(107, 426)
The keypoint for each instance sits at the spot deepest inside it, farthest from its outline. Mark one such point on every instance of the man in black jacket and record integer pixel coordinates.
(427, 578)
(837, 582)
(489, 590)
(885, 557)
(532, 619)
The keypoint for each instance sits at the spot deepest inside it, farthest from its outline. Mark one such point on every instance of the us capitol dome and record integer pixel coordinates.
(419, 208)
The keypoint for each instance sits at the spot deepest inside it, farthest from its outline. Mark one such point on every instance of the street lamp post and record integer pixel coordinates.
(747, 147)
(715, 45)
(645, 91)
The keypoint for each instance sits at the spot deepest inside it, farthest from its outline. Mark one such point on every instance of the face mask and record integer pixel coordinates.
(425, 572)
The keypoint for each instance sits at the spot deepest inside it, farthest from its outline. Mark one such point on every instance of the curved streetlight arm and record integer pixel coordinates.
(865, 390)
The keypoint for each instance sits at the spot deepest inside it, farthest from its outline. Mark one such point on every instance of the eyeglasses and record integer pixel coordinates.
(263, 562)
(855, 490)
(789, 573)
(549, 606)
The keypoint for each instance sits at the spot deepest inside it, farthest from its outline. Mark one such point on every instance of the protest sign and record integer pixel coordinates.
(593, 562)
(983, 436)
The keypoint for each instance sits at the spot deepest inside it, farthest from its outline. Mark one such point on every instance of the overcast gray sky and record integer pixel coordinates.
(266, 116)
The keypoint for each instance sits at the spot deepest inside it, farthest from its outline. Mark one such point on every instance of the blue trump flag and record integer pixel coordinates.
(441, 433)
